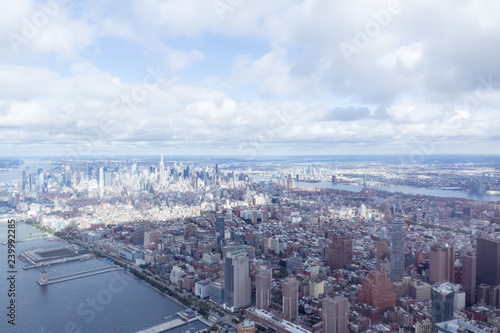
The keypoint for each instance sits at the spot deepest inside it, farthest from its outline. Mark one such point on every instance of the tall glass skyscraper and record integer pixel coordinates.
(442, 298)
(397, 249)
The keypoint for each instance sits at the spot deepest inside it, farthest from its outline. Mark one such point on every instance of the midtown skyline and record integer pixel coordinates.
(239, 78)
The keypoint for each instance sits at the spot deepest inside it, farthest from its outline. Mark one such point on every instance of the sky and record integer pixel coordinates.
(249, 78)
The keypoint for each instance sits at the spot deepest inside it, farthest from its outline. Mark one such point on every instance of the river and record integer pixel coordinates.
(123, 304)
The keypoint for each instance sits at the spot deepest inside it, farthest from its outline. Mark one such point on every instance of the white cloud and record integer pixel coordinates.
(422, 69)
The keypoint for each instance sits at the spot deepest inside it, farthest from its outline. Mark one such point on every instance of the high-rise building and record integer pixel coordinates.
(237, 291)
(101, 179)
(41, 181)
(377, 290)
(441, 264)
(483, 294)
(397, 250)
(263, 288)
(67, 176)
(290, 298)
(488, 261)
(469, 277)
(161, 171)
(340, 251)
(108, 178)
(25, 183)
(335, 314)
(442, 298)
(220, 229)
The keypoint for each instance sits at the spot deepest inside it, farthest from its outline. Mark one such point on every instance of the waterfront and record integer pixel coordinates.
(99, 303)
(33, 165)
(393, 189)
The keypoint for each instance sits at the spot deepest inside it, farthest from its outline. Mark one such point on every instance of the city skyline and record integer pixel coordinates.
(270, 244)
(248, 79)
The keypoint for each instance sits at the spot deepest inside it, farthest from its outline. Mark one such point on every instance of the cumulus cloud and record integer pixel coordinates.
(348, 114)
(406, 82)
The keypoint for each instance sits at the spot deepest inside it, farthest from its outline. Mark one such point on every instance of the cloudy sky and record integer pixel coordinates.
(249, 78)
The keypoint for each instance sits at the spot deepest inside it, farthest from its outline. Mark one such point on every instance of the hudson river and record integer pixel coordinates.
(406, 190)
(122, 304)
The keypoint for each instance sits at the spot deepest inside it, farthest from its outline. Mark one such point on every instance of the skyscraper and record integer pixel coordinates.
(442, 298)
(340, 251)
(237, 292)
(101, 179)
(220, 230)
(291, 298)
(441, 264)
(41, 181)
(335, 314)
(469, 277)
(488, 261)
(397, 249)
(263, 288)
(25, 183)
(161, 169)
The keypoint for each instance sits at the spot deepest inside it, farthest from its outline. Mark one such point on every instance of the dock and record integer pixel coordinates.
(169, 325)
(53, 262)
(79, 275)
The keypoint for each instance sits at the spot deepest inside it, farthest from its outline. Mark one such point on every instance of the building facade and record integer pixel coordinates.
(263, 288)
(339, 253)
(469, 278)
(335, 315)
(377, 291)
(488, 261)
(290, 298)
(237, 291)
(220, 232)
(441, 264)
(442, 298)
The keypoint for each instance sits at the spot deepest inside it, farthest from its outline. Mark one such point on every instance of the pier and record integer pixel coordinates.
(53, 255)
(170, 325)
(53, 262)
(44, 281)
